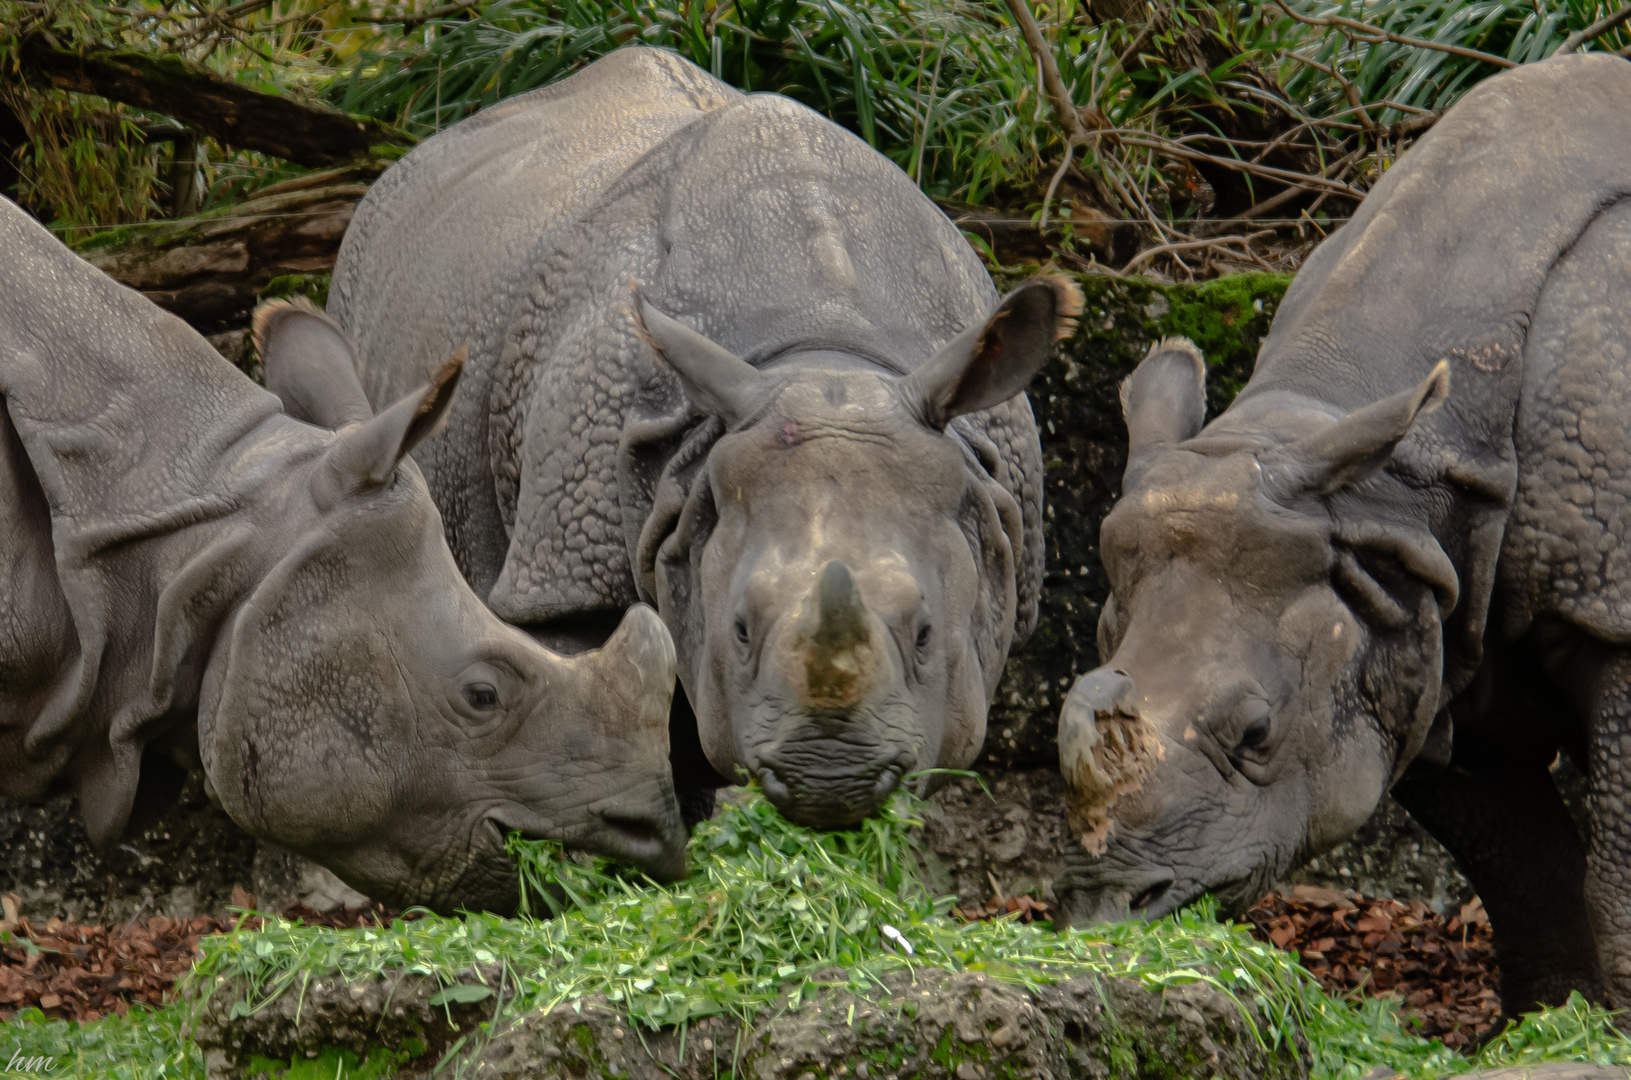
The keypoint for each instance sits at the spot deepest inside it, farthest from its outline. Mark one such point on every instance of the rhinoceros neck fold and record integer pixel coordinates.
(142, 441)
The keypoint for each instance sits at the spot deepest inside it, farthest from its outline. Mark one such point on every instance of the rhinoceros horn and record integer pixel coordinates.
(833, 641)
(1356, 446)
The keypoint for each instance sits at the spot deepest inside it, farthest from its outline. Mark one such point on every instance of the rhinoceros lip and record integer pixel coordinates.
(628, 838)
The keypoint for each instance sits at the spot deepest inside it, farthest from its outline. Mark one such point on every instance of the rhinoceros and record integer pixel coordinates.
(725, 358)
(1397, 558)
(191, 576)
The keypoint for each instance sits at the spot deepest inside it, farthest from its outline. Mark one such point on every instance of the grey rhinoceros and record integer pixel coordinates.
(188, 576)
(1398, 558)
(805, 443)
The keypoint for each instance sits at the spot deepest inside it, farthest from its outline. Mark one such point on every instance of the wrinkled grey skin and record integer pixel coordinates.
(807, 447)
(1399, 555)
(190, 576)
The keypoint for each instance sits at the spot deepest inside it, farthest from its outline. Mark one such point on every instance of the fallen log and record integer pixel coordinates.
(231, 114)
(211, 269)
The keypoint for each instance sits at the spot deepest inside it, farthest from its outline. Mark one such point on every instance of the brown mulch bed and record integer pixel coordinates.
(1442, 967)
(75, 972)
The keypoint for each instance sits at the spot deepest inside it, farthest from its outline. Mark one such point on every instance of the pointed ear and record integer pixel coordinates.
(1164, 399)
(1356, 447)
(363, 457)
(717, 381)
(310, 364)
(992, 361)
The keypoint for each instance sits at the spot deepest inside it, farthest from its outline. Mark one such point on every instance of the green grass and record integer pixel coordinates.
(766, 914)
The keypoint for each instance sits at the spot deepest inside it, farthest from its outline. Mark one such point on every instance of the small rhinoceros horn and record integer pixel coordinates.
(835, 638)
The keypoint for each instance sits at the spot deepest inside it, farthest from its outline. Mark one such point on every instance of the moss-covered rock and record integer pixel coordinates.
(931, 1023)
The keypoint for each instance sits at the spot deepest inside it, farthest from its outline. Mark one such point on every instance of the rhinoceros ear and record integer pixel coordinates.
(992, 361)
(310, 364)
(1356, 447)
(1164, 399)
(717, 381)
(364, 456)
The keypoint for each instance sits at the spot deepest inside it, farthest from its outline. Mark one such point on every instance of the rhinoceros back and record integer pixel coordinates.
(1457, 255)
(752, 218)
(437, 255)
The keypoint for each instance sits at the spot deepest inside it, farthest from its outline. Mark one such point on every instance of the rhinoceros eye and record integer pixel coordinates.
(483, 697)
(742, 630)
(923, 635)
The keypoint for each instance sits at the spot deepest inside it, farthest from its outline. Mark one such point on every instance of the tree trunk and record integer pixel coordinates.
(232, 115)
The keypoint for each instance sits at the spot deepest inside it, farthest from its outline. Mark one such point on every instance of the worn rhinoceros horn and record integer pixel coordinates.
(833, 642)
(1355, 447)
(1106, 751)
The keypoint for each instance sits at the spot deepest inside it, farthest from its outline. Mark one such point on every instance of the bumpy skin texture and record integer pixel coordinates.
(191, 574)
(580, 469)
(1339, 584)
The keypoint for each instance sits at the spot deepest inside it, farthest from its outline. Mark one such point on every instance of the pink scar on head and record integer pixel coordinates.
(790, 433)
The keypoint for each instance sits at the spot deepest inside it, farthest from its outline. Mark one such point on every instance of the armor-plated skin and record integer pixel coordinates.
(807, 437)
(1398, 557)
(189, 576)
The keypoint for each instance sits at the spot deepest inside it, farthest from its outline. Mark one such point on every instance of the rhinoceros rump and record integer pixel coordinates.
(802, 443)
(1398, 557)
(190, 576)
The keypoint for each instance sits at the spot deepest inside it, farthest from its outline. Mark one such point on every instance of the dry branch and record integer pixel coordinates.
(1595, 30)
(231, 114)
(210, 269)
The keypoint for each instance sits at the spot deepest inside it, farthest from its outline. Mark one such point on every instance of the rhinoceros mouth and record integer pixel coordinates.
(830, 804)
(650, 843)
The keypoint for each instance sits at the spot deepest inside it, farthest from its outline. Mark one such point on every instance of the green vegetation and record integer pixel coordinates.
(1331, 91)
(768, 911)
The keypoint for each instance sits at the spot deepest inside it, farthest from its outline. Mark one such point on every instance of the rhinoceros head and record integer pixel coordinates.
(1269, 670)
(368, 712)
(853, 602)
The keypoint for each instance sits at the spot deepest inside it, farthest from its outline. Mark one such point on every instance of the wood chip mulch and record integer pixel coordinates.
(1442, 967)
(76, 972)
(1030, 909)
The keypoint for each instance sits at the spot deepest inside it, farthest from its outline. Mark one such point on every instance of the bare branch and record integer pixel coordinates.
(410, 20)
(1058, 94)
(1192, 245)
(1594, 31)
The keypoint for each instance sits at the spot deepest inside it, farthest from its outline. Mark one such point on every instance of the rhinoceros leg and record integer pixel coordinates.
(1512, 836)
(1608, 872)
(1497, 810)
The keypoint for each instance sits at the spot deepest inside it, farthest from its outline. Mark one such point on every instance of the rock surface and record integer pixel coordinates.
(931, 1024)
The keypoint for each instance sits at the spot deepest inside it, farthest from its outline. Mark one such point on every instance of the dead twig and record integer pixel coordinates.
(1058, 93)
(1594, 31)
(1283, 175)
(409, 20)
(1377, 36)
(1192, 245)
